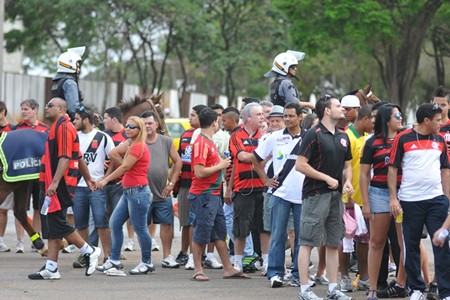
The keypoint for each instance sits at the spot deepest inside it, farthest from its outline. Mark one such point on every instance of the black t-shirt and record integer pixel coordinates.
(327, 153)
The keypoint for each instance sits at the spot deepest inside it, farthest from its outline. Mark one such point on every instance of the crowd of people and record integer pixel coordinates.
(350, 180)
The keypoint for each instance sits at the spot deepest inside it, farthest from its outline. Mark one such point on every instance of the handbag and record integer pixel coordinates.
(350, 225)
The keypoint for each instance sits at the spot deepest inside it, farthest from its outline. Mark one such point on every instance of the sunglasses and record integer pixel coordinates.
(435, 106)
(50, 105)
(398, 116)
(131, 126)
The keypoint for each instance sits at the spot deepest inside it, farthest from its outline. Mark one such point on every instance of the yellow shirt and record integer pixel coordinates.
(356, 145)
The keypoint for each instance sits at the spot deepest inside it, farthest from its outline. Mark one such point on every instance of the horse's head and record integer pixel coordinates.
(366, 96)
(137, 105)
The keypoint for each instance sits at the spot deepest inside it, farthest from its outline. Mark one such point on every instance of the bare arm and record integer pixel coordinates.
(84, 171)
(201, 171)
(445, 180)
(394, 204)
(348, 175)
(63, 164)
(127, 163)
(228, 190)
(174, 171)
(303, 167)
(364, 180)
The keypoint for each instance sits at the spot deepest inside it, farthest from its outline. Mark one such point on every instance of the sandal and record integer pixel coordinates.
(199, 277)
(371, 295)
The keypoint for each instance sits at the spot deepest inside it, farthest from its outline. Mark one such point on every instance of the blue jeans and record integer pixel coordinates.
(86, 200)
(134, 204)
(228, 210)
(432, 213)
(278, 229)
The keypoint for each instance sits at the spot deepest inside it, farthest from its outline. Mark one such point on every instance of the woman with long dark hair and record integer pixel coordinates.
(136, 199)
(375, 194)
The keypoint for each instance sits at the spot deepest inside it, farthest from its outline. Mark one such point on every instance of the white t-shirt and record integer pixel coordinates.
(94, 159)
(283, 147)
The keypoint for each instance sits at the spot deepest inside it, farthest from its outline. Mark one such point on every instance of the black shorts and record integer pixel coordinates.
(55, 225)
(248, 214)
(34, 193)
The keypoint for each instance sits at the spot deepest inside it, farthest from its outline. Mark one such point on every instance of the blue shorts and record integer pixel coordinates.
(379, 200)
(86, 200)
(161, 212)
(209, 223)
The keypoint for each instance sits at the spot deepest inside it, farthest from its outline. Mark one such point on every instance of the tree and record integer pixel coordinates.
(391, 32)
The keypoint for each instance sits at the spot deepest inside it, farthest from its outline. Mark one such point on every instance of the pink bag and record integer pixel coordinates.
(350, 225)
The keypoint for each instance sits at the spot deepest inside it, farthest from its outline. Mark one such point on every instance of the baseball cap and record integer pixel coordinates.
(277, 111)
(350, 101)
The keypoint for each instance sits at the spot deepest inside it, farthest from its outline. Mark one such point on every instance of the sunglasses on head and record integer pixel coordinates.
(131, 126)
(398, 116)
(435, 106)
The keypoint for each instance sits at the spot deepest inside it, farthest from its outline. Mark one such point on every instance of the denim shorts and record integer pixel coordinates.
(209, 223)
(161, 212)
(85, 201)
(379, 200)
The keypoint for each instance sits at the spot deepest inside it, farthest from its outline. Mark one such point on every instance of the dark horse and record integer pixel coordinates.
(137, 105)
(33, 141)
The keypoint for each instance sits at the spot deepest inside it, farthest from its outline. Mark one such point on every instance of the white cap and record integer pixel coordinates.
(350, 101)
(277, 111)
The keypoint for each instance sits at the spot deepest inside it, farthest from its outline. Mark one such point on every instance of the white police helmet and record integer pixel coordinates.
(283, 61)
(70, 61)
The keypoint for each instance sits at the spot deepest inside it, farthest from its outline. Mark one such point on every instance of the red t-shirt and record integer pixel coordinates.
(206, 154)
(137, 175)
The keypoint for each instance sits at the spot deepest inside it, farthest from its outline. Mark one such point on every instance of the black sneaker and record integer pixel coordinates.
(433, 292)
(392, 291)
(182, 258)
(80, 262)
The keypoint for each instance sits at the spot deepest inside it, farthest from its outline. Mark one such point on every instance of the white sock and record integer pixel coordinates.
(304, 287)
(51, 265)
(86, 249)
(331, 286)
(210, 255)
(1, 240)
(238, 261)
(265, 258)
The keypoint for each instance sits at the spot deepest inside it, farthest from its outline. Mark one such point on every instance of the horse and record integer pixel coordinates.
(365, 95)
(137, 105)
(21, 185)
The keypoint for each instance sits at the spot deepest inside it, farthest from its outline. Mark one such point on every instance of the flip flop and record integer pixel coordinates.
(238, 275)
(197, 275)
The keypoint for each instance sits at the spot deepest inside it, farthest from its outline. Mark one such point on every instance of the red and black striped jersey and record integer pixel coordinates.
(376, 153)
(63, 142)
(117, 137)
(7, 128)
(445, 132)
(40, 126)
(246, 180)
(185, 152)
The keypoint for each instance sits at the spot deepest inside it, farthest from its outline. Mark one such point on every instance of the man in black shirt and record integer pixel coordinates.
(323, 156)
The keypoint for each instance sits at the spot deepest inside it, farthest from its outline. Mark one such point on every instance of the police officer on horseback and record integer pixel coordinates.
(282, 90)
(65, 81)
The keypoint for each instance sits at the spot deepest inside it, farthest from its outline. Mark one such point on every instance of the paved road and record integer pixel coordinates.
(163, 284)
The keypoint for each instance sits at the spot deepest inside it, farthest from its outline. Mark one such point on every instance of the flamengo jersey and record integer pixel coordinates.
(246, 180)
(283, 147)
(97, 154)
(421, 157)
(185, 151)
(41, 127)
(376, 154)
(445, 132)
(117, 137)
(205, 153)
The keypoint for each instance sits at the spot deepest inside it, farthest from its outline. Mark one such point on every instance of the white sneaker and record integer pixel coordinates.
(190, 264)
(69, 249)
(93, 260)
(142, 268)
(155, 245)
(276, 281)
(44, 273)
(346, 284)
(417, 295)
(19, 247)
(212, 263)
(308, 295)
(129, 246)
(108, 265)
(169, 262)
(263, 270)
(322, 280)
(4, 248)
